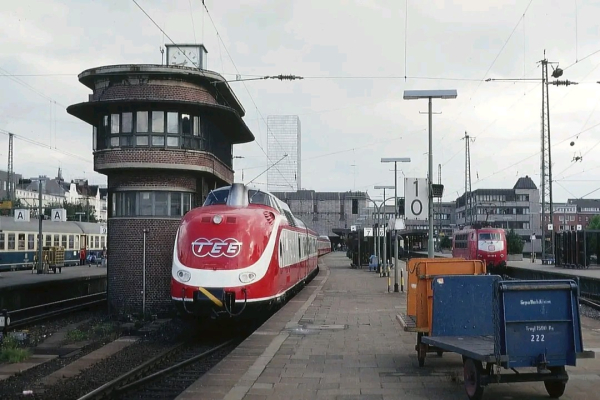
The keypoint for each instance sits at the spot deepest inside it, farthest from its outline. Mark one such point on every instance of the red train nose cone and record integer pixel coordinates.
(224, 237)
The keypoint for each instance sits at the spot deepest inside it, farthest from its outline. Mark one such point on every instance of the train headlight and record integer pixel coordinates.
(183, 276)
(247, 277)
(217, 219)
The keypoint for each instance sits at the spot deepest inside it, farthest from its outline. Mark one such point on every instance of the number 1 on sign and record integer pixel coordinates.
(416, 188)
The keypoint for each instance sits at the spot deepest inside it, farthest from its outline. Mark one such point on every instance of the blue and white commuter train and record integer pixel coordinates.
(19, 240)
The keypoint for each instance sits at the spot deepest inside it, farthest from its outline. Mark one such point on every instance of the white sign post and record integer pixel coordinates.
(21, 215)
(368, 232)
(58, 215)
(352, 228)
(416, 202)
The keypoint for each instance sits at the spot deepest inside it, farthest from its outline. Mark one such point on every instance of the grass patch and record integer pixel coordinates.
(11, 352)
(76, 335)
(103, 329)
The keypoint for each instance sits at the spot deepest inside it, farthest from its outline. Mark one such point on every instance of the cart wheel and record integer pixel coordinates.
(472, 372)
(440, 353)
(555, 389)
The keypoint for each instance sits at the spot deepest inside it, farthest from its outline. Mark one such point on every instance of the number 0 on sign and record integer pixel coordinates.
(416, 207)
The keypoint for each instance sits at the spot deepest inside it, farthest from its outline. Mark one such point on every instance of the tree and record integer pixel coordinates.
(72, 210)
(594, 222)
(514, 243)
(446, 243)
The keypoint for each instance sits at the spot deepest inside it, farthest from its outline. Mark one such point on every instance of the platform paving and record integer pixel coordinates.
(338, 339)
(592, 272)
(18, 278)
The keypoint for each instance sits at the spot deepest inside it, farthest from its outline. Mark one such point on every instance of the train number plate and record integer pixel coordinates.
(491, 247)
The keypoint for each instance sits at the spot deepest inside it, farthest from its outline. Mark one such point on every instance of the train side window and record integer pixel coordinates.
(102, 241)
(97, 242)
(71, 241)
(11, 241)
(76, 246)
(2, 246)
(48, 240)
(56, 240)
(31, 241)
(21, 242)
(63, 242)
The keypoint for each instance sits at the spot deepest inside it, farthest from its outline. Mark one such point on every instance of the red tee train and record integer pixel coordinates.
(242, 252)
(487, 244)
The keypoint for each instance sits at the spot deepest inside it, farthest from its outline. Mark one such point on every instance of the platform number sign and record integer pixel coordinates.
(416, 199)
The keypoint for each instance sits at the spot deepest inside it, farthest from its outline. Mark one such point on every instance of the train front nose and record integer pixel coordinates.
(220, 255)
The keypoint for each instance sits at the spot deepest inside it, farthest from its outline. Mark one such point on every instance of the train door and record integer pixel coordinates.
(83, 246)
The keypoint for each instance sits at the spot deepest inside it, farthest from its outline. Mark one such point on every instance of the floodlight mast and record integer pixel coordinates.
(430, 94)
(395, 160)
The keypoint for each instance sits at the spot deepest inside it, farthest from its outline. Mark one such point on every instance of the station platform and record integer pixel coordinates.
(19, 278)
(593, 272)
(23, 289)
(339, 339)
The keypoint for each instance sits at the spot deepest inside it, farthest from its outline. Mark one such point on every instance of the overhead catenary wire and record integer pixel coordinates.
(249, 94)
(44, 145)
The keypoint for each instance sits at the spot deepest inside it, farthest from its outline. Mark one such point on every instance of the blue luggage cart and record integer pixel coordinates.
(508, 324)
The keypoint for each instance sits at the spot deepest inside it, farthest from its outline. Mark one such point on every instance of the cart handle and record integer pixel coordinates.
(524, 285)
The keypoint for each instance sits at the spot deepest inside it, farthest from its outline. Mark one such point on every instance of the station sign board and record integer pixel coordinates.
(58, 215)
(22, 215)
(368, 232)
(416, 204)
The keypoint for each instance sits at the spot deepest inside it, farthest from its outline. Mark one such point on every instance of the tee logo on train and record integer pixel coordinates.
(216, 247)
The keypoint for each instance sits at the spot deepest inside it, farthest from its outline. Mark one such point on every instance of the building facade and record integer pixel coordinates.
(284, 147)
(517, 208)
(163, 135)
(328, 213)
(56, 191)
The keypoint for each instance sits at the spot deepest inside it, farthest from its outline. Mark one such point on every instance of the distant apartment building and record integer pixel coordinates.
(4, 183)
(517, 208)
(55, 191)
(329, 213)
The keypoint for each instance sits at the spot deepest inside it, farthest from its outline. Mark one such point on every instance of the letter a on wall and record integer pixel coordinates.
(22, 215)
(59, 214)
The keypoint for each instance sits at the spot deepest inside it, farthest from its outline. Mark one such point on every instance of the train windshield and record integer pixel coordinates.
(217, 197)
(221, 196)
(490, 237)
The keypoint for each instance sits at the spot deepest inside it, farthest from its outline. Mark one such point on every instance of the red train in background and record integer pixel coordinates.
(487, 244)
(241, 253)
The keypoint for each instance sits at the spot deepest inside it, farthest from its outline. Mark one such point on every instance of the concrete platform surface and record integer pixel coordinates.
(338, 339)
(592, 272)
(18, 278)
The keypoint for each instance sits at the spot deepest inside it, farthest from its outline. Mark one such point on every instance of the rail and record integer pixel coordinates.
(26, 316)
(143, 374)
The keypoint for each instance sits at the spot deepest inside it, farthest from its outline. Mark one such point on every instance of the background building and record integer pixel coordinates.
(284, 137)
(328, 213)
(517, 208)
(164, 135)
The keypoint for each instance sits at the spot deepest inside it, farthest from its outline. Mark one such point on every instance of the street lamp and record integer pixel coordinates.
(395, 160)
(384, 187)
(430, 94)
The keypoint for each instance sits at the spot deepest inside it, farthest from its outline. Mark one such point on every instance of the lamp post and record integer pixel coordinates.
(384, 187)
(430, 94)
(396, 161)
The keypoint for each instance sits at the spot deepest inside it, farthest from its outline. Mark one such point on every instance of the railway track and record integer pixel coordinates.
(166, 375)
(29, 315)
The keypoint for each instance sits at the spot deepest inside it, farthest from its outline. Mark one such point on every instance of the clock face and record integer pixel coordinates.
(183, 57)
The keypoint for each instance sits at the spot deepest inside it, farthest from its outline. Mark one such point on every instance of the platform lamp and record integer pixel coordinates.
(430, 94)
(396, 160)
(384, 252)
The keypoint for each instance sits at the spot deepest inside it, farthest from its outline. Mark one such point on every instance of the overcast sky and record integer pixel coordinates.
(347, 116)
